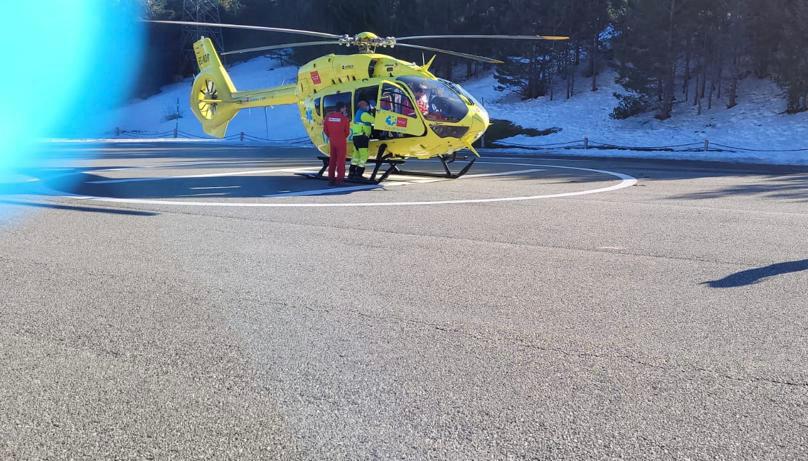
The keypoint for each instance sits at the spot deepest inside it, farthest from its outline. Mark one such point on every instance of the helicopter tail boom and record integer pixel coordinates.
(214, 98)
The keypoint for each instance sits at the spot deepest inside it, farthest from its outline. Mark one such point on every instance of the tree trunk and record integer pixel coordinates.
(703, 88)
(552, 93)
(568, 82)
(666, 108)
(712, 87)
(733, 84)
(705, 67)
(593, 60)
(573, 73)
(660, 84)
(532, 76)
(686, 85)
(720, 76)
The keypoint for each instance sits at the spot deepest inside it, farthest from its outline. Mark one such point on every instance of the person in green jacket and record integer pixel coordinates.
(361, 129)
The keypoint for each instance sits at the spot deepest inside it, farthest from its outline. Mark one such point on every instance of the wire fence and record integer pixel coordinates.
(582, 144)
(241, 137)
(587, 144)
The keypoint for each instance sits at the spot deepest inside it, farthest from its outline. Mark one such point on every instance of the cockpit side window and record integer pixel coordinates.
(437, 101)
(471, 100)
(395, 100)
(331, 101)
(396, 116)
(367, 94)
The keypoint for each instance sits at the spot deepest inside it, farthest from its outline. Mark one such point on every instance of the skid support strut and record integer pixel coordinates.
(382, 158)
(447, 171)
(379, 173)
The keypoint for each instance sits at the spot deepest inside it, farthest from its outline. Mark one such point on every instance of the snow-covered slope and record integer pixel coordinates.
(758, 121)
(152, 116)
(757, 124)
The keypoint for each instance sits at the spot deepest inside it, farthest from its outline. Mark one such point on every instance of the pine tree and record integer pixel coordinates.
(642, 54)
(790, 59)
(667, 52)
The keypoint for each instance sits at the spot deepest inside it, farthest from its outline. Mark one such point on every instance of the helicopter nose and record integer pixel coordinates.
(479, 123)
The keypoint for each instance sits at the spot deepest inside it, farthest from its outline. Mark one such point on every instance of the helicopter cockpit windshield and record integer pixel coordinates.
(437, 101)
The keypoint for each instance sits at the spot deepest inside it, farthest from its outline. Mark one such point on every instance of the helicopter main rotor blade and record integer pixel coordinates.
(453, 53)
(245, 27)
(277, 47)
(497, 37)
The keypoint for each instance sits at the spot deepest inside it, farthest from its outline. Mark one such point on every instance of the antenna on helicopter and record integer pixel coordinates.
(367, 42)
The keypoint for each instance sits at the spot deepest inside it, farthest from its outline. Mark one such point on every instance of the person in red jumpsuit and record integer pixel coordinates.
(337, 127)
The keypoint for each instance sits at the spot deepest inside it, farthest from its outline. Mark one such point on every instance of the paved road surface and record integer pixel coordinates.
(195, 318)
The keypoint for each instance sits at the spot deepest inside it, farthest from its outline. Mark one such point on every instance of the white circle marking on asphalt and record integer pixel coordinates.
(625, 181)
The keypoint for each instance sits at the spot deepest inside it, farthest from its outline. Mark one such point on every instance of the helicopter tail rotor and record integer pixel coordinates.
(212, 93)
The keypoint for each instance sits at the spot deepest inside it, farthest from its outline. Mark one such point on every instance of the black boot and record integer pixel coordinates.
(352, 172)
(360, 171)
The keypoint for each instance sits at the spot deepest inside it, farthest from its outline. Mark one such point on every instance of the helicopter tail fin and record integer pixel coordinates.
(212, 93)
(214, 98)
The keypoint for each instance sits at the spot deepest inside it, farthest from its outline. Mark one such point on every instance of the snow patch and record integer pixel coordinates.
(152, 115)
(756, 125)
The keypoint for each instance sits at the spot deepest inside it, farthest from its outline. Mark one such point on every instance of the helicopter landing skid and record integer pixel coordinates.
(394, 167)
(375, 178)
(447, 171)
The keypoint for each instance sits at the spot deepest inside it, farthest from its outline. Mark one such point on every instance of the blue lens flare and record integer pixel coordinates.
(70, 62)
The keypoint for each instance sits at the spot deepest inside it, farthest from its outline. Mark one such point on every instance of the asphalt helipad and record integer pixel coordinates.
(187, 300)
(259, 184)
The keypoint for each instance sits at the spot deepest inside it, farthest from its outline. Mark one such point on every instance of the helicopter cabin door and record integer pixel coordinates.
(396, 113)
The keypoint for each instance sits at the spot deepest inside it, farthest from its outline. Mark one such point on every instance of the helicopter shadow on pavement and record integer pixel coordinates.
(289, 184)
(773, 186)
(177, 152)
(83, 209)
(207, 187)
(18, 195)
(775, 182)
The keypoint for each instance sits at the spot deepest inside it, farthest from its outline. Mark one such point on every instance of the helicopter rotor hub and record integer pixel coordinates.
(368, 42)
(346, 40)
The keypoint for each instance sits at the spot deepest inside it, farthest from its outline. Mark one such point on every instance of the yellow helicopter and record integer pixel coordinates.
(416, 114)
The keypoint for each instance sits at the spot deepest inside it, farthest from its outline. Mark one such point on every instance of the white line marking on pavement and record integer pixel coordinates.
(509, 163)
(334, 190)
(391, 184)
(209, 194)
(504, 173)
(215, 187)
(468, 176)
(210, 175)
